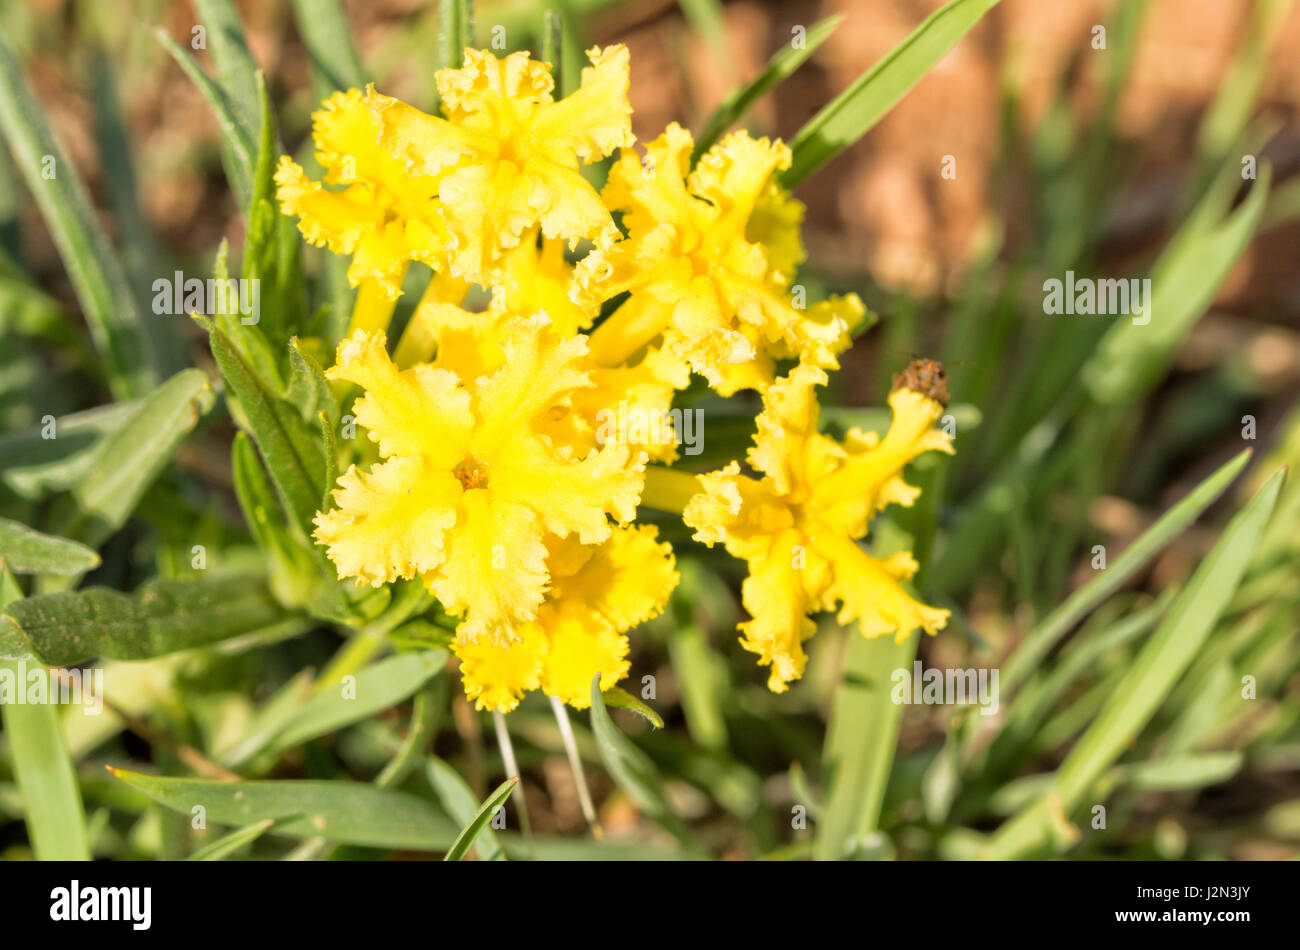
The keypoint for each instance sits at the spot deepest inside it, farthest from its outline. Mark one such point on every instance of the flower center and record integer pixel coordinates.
(471, 473)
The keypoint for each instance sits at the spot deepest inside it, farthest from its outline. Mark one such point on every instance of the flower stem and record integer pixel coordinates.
(373, 308)
(626, 330)
(512, 769)
(575, 763)
(419, 340)
(668, 490)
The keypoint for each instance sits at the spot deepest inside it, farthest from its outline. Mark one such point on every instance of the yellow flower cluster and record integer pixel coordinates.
(497, 482)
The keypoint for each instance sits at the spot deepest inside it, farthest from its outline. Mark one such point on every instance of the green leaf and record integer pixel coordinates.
(480, 820)
(32, 463)
(375, 688)
(1177, 772)
(325, 32)
(458, 801)
(56, 822)
(112, 311)
(858, 753)
(238, 145)
(289, 448)
(1030, 654)
(1158, 667)
(346, 812)
(26, 551)
(163, 616)
(631, 768)
(124, 465)
(309, 390)
(852, 113)
(779, 67)
(236, 68)
(455, 32)
(620, 698)
(225, 846)
(1133, 356)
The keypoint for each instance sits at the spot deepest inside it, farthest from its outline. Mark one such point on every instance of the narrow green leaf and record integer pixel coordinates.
(852, 113)
(236, 68)
(1177, 772)
(28, 450)
(56, 822)
(1158, 666)
(620, 698)
(292, 454)
(346, 812)
(225, 846)
(123, 466)
(1029, 655)
(782, 65)
(455, 32)
(163, 616)
(26, 551)
(458, 801)
(112, 311)
(460, 847)
(324, 29)
(374, 689)
(237, 141)
(1133, 356)
(631, 768)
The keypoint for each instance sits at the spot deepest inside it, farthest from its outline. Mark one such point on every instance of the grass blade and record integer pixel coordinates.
(460, 847)
(225, 846)
(51, 797)
(328, 38)
(852, 113)
(375, 688)
(780, 66)
(1029, 655)
(346, 812)
(631, 768)
(112, 311)
(1147, 682)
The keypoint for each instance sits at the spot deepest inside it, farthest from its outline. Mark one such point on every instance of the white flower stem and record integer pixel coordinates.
(575, 763)
(512, 769)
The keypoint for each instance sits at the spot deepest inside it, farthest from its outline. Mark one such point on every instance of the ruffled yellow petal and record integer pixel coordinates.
(773, 593)
(538, 370)
(739, 511)
(494, 573)
(497, 675)
(572, 497)
(508, 156)
(408, 412)
(373, 207)
(626, 581)
(536, 279)
(870, 591)
(596, 118)
(390, 522)
(696, 267)
(872, 476)
(576, 653)
(775, 224)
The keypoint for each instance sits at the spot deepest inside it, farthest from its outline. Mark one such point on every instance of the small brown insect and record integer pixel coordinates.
(926, 377)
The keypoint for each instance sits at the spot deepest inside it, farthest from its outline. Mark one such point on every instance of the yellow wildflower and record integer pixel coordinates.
(509, 155)
(708, 263)
(598, 592)
(373, 208)
(469, 488)
(797, 526)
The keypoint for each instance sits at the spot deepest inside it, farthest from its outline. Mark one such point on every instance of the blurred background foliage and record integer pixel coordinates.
(1121, 685)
